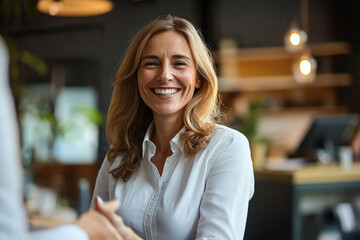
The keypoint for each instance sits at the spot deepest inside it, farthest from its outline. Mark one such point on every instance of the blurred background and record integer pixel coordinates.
(289, 77)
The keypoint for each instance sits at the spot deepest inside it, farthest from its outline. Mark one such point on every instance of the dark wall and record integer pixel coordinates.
(264, 22)
(349, 20)
(255, 23)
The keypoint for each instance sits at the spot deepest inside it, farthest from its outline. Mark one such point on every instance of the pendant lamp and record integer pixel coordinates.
(295, 41)
(304, 69)
(74, 8)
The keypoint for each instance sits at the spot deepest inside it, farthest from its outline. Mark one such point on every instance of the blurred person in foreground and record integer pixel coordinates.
(177, 173)
(92, 225)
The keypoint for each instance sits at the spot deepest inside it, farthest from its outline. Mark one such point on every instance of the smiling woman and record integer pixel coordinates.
(177, 173)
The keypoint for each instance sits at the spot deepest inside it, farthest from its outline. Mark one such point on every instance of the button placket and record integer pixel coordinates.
(151, 209)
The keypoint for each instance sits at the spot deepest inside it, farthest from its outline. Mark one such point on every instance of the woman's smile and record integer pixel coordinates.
(165, 92)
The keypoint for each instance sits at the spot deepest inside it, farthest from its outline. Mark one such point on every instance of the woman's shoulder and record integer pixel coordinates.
(228, 145)
(224, 137)
(108, 165)
(224, 132)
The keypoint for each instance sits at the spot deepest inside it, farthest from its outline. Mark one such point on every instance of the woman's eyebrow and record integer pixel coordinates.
(181, 56)
(150, 57)
(176, 56)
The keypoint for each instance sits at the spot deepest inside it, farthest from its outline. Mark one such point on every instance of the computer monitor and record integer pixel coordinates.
(325, 136)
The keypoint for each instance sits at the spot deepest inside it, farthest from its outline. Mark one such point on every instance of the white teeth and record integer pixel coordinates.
(162, 91)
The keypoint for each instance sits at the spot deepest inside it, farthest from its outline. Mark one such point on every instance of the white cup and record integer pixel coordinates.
(346, 157)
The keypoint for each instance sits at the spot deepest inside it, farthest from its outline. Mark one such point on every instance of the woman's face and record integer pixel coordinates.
(167, 75)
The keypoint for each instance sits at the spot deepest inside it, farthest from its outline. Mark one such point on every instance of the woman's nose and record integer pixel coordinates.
(166, 73)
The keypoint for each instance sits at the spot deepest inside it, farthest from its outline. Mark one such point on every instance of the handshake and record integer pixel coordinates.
(103, 222)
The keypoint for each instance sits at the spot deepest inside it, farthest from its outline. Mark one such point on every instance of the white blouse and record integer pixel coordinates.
(201, 197)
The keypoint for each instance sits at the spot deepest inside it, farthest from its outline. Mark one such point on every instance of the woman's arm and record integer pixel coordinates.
(229, 187)
(91, 225)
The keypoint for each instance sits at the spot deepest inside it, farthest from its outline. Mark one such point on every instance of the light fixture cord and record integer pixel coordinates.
(304, 15)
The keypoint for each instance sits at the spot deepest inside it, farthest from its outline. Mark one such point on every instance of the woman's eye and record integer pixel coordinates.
(180, 64)
(151, 64)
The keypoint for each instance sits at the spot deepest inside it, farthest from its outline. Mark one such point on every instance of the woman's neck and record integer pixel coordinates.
(164, 131)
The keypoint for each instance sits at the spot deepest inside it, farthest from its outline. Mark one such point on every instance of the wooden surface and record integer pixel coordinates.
(38, 221)
(281, 82)
(65, 178)
(312, 174)
(263, 53)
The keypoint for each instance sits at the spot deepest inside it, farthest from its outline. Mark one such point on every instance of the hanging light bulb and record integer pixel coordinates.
(295, 39)
(55, 7)
(304, 69)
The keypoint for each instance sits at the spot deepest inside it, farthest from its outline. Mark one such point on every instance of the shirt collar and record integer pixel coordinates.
(174, 143)
(147, 140)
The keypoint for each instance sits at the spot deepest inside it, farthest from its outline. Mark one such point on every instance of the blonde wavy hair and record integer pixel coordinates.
(129, 117)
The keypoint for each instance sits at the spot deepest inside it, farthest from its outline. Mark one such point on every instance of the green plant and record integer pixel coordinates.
(19, 57)
(249, 123)
(16, 12)
(13, 15)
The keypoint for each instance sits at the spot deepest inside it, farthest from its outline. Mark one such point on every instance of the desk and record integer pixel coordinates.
(282, 199)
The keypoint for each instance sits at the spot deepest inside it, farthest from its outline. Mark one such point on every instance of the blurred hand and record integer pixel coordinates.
(107, 209)
(97, 226)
